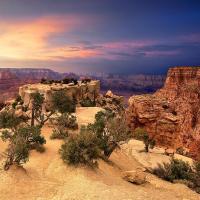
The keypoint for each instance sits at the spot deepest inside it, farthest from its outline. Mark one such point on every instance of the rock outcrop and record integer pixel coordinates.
(76, 92)
(111, 102)
(172, 114)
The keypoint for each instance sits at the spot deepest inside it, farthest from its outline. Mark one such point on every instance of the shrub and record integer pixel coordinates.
(142, 135)
(86, 80)
(178, 171)
(2, 105)
(110, 130)
(43, 81)
(81, 149)
(180, 151)
(18, 100)
(21, 141)
(62, 103)
(69, 80)
(87, 103)
(59, 134)
(175, 170)
(9, 120)
(62, 124)
(14, 104)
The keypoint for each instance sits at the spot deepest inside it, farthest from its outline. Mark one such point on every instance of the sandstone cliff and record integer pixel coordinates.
(77, 92)
(172, 114)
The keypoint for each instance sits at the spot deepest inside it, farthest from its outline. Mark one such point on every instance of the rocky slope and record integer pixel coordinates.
(172, 114)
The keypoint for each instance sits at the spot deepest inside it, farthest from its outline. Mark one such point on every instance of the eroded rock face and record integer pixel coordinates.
(74, 92)
(172, 114)
(111, 102)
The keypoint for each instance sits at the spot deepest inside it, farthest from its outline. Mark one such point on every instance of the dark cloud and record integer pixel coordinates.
(175, 23)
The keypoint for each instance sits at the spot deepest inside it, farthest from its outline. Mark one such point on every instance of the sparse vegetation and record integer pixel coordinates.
(81, 149)
(18, 101)
(62, 103)
(9, 120)
(180, 171)
(64, 81)
(62, 125)
(87, 102)
(86, 80)
(142, 135)
(96, 140)
(110, 130)
(21, 141)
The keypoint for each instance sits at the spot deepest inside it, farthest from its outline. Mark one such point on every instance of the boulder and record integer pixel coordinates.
(137, 177)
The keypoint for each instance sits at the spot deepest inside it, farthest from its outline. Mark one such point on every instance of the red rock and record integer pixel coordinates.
(172, 114)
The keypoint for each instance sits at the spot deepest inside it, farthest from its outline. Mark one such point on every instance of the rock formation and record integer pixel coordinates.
(77, 92)
(111, 102)
(172, 114)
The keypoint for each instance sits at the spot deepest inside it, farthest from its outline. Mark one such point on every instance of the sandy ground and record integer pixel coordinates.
(46, 177)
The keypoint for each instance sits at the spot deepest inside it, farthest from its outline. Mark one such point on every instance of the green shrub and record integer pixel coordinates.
(59, 134)
(62, 124)
(175, 170)
(142, 135)
(62, 103)
(87, 103)
(110, 130)
(178, 171)
(81, 149)
(18, 100)
(21, 141)
(9, 120)
(14, 104)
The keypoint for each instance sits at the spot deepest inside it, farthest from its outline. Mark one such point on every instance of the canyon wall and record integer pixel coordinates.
(172, 114)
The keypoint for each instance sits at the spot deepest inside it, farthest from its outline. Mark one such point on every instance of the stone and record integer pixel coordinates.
(109, 94)
(137, 177)
(169, 152)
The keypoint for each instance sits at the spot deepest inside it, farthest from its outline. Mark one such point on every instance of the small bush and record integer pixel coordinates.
(9, 120)
(142, 135)
(14, 104)
(86, 80)
(69, 80)
(175, 170)
(81, 149)
(62, 103)
(178, 171)
(62, 124)
(87, 103)
(2, 105)
(18, 100)
(180, 151)
(21, 141)
(59, 134)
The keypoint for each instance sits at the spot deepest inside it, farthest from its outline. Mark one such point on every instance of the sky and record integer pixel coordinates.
(115, 36)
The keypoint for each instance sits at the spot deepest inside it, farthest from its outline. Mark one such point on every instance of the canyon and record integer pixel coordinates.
(172, 114)
(12, 78)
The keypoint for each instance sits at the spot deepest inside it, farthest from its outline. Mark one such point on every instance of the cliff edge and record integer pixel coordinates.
(172, 114)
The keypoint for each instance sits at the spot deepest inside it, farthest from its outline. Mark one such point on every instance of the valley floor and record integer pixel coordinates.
(46, 177)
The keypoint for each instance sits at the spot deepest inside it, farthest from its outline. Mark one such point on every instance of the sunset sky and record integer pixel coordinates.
(123, 36)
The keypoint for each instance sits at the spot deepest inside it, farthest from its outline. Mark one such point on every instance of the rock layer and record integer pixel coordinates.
(172, 114)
